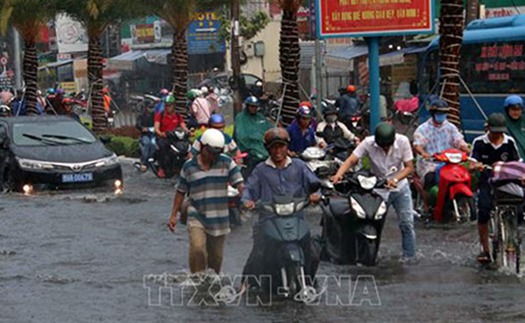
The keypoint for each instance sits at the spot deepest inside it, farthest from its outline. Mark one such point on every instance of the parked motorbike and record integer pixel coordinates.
(177, 154)
(353, 220)
(285, 235)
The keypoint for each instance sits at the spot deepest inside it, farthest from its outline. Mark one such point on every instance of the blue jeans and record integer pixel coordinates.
(402, 203)
(147, 148)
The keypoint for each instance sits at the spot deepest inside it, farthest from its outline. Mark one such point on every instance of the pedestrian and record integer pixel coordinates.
(204, 178)
(390, 156)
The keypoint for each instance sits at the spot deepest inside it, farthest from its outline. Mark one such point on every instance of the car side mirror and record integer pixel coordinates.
(105, 139)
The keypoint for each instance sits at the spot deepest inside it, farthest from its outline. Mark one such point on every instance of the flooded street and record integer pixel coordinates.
(83, 257)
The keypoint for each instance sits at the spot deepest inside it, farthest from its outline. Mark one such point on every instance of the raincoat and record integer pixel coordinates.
(516, 129)
(249, 133)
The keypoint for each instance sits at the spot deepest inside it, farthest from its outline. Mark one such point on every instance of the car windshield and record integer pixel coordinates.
(51, 133)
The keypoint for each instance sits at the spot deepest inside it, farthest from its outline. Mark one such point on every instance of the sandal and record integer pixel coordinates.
(483, 258)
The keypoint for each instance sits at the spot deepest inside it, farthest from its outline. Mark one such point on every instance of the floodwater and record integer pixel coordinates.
(95, 257)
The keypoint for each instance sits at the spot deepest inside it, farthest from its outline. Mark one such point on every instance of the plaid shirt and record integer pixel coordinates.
(435, 139)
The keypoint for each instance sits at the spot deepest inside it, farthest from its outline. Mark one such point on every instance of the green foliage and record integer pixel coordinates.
(249, 26)
(126, 146)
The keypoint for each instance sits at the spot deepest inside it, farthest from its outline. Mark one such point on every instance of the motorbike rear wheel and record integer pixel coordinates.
(461, 212)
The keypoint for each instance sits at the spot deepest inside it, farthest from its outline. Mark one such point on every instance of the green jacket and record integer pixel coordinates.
(516, 129)
(249, 133)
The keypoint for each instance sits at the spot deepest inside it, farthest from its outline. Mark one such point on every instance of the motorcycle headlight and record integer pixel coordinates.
(454, 158)
(367, 183)
(284, 209)
(109, 161)
(381, 211)
(29, 164)
(357, 208)
(313, 153)
(179, 134)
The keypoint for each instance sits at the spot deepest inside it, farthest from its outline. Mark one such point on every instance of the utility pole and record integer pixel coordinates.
(235, 59)
(17, 59)
(472, 10)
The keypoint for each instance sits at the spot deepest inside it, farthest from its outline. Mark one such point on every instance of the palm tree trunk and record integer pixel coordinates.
(95, 76)
(289, 55)
(179, 50)
(451, 37)
(30, 71)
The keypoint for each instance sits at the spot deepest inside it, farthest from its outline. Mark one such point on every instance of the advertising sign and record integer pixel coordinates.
(146, 33)
(71, 37)
(203, 35)
(369, 18)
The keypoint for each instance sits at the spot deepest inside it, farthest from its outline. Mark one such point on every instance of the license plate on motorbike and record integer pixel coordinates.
(77, 178)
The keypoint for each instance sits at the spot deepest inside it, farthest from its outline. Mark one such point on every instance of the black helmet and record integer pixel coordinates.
(329, 108)
(276, 135)
(496, 123)
(385, 134)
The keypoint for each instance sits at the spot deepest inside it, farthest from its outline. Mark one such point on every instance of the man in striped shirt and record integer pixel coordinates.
(205, 179)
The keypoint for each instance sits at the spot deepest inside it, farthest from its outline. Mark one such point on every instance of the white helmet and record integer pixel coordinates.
(213, 138)
(204, 90)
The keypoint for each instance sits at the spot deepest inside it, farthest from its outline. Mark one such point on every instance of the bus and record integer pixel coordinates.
(492, 66)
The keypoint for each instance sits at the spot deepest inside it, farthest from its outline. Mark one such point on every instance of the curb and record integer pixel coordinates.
(127, 160)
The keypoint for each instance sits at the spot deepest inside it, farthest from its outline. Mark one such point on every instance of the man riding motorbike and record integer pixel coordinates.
(331, 128)
(278, 175)
(165, 122)
(435, 136)
(347, 103)
(250, 126)
(302, 132)
(515, 121)
(145, 122)
(217, 122)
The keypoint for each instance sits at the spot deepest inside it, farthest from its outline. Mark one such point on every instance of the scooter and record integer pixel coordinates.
(353, 222)
(178, 153)
(316, 159)
(455, 199)
(285, 235)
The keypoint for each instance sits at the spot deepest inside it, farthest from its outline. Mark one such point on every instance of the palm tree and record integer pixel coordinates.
(451, 37)
(179, 14)
(289, 55)
(96, 16)
(28, 17)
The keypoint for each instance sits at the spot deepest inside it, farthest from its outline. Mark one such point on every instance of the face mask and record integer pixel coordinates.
(440, 117)
(331, 118)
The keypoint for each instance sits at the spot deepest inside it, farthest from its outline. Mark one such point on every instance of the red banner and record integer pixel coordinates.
(374, 17)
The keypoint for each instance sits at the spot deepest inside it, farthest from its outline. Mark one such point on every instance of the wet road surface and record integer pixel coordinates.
(82, 257)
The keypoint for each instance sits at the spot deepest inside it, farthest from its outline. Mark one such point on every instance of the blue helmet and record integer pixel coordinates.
(51, 91)
(513, 100)
(216, 119)
(251, 100)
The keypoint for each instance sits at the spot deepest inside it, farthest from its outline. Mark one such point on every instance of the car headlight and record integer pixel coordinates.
(29, 164)
(109, 161)
(284, 209)
(381, 211)
(367, 183)
(360, 212)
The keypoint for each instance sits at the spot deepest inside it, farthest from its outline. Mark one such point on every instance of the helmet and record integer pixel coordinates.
(60, 91)
(169, 99)
(191, 95)
(5, 111)
(438, 105)
(216, 119)
(513, 100)
(164, 92)
(38, 92)
(251, 100)
(276, 135)
(105, 90)
(329, 108)
(50, 91)
(213, 138)
(385, 134)
(204, 90)
(350, 89)
(304, 111)
(67, 101)
(258, 83)
(307, 104)
(496, 123)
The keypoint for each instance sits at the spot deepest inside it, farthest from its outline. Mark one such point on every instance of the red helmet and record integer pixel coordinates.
(350, 89)
(67, 101)
(306, 104)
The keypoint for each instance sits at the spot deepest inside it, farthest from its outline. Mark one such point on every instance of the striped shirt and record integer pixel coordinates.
(208, 192)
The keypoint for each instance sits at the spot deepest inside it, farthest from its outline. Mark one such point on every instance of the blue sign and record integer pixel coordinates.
(203, 35)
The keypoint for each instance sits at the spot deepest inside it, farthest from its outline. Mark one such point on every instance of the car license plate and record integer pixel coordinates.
(75, 178)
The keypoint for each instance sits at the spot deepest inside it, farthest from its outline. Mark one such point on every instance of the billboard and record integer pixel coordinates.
(203, 34)
(71, 36)
(369, 18)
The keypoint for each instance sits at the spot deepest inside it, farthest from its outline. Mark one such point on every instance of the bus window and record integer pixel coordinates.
(492, 68)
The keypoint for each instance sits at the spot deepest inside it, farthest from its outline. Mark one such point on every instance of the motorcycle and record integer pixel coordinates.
(285, 235)
(455, 199)
(353, 222)
(316, 159)
(234, 198)
(177, 154)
